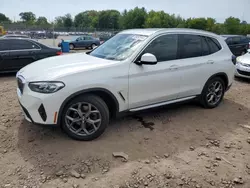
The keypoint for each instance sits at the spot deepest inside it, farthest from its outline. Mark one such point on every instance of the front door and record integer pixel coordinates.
(152, 84)
(22, 53)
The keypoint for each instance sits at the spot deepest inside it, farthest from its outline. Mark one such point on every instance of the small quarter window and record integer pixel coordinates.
(214, 45)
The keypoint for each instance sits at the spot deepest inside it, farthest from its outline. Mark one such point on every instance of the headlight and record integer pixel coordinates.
(46, 87)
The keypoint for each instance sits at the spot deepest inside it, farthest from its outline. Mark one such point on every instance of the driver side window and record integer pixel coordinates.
(164, 48)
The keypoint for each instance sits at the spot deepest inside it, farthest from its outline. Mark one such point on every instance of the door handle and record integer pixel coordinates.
(210, 62)
(173, 67)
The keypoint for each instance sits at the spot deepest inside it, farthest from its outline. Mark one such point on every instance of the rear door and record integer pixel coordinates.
(196, 63)
(88, 41)
(22, 53)
(4, 54)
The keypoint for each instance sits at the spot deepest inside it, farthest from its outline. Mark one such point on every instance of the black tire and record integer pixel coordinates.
(99, 104)
(71, 46)
(203, 97)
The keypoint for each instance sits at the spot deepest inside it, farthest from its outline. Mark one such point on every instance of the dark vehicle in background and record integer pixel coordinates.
(15, 36)
(82, 42)
(43, 35)
(238, 44)
(17, 53)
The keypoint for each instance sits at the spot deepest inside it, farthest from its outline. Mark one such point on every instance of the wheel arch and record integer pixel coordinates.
(221, 75)
(107, 96)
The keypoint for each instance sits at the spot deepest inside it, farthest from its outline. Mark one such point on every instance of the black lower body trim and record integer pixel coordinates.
(26, 112)
(42, 112)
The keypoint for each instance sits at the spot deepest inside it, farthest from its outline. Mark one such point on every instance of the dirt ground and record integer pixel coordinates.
(178, 146)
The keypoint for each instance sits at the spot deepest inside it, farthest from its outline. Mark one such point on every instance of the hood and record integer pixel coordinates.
(244, 58)
(55, 67)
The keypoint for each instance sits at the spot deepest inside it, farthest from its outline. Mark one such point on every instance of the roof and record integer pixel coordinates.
(227, 36)
(151, 31)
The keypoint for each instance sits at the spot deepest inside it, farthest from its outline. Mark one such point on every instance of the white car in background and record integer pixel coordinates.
(135, 70)
(243, 65)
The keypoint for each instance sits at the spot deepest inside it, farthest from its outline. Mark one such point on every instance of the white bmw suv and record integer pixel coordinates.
(135, 70)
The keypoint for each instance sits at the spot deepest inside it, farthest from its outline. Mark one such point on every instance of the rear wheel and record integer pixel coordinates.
(93, 46)
(85, 117)
(213, 93)
(71, 46)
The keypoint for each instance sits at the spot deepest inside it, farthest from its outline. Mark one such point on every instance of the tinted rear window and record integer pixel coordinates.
(191, 46)
(21, 45)
(236, 40)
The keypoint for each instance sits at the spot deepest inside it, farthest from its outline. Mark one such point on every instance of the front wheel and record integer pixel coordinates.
(85, 118)
(213, 93)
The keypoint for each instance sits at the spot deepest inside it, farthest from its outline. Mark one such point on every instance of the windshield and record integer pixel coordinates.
(119, 47)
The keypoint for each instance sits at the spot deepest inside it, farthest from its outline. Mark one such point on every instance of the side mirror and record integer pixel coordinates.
(148, 59)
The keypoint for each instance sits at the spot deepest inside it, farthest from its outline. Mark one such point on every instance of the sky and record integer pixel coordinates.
(218, 9)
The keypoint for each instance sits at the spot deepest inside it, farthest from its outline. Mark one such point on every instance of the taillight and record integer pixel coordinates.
(59, 53)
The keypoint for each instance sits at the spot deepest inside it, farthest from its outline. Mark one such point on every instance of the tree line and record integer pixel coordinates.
(133, 18)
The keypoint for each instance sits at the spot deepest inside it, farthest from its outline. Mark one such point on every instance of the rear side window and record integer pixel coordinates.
(22, 45)
(236, 40)
(229, 41)
(164, 47)
(4, 45)
(213, 44)
(191, 46)
(244, 39)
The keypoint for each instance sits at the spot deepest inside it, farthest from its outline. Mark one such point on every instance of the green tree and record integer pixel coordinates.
(28, 17)
(59, 21)
(4, 18)
(68, 21)
(42, 21)
(197, 23)
(109, 19)
(210, 24)
(219, 28)
(134, 18)
(87, 19)
(232, 25)
(157, 19)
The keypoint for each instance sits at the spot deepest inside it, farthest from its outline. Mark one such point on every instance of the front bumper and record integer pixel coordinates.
(39, 108)
(242, 71)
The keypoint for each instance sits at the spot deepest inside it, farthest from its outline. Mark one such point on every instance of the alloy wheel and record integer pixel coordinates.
(83, 119)
(215, 93)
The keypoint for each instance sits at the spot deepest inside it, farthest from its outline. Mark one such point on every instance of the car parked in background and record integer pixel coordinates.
(85, 41)
(238, 44)
(243, 66)
(16, 53)
(15, 36)
(135, 70)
